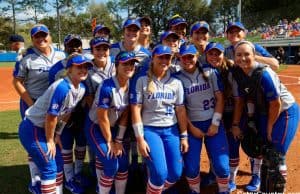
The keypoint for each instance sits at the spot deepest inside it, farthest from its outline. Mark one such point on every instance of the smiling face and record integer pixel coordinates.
(172, 42)
(188, 62)
(78, 73)
(126, 69)
(235, 35)
(41, 40)
(101, 53)
(215, 57)
(146, 28)
(131, 34)
(244, 57)
(200, 37)
(161, 63)
(179, 29)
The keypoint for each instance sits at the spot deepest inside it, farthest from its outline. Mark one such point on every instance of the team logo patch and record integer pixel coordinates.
(54, 106)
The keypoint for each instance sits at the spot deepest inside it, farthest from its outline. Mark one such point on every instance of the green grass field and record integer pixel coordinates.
(14, 171)
(7, 64)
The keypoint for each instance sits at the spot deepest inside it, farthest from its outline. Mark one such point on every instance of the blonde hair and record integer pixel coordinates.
(151, 86)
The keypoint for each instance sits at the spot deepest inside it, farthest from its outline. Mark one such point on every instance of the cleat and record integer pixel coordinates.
(231, 186)
(254, 184)
(209, 179)
(73, 187)
(36, 189)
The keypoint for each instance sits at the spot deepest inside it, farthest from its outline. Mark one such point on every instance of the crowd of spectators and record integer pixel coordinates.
(283, 29)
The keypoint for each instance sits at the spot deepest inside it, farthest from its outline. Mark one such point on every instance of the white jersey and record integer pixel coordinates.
(142, 54)
(109, 96)
(97, 75)
(158, 108)
(59, 99)
(199, 93)
(34, 68)
(273, 88)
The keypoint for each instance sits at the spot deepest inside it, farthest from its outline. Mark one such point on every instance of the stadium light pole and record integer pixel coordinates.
(240, 11)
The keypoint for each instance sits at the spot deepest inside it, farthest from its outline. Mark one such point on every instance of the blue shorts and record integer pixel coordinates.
(98, 145)
(34, 141)
(165, 162)
(284, 129)
(217, 148)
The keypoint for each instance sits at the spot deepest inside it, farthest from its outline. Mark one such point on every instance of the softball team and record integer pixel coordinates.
(174, 98)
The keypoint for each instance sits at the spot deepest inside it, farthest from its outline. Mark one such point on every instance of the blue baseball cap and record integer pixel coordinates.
(176, 21)
(39, 28)
(78, 60)
(125, 56)
(214, 45)
(16, 38)
(198, 25)
(71, 37)
(168, 33)
(100, 27)
(161, 50)
(235, 24)
(188, 49)
(130, 22)
(99, 41)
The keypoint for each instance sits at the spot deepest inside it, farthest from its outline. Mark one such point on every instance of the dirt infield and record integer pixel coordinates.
(9, 99)
(289, 76)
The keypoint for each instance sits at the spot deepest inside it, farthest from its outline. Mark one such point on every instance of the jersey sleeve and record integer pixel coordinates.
(21, 69)
(216, 79)
(270, 86)
(105, 97)
(262, 51)
(180, 94)
(59, 94)
(136, 91)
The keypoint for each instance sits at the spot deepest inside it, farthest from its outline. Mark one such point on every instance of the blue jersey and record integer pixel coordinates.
(200, 93)
(259, 50)
(34, 68)
(273, 88)
(141, 53)
(57, 71)
(59, 99)
(158, 108)
(97, 75)
(109, 96)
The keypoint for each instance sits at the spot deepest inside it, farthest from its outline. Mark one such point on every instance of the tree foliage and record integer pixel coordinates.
(256, 12)
(161, 10)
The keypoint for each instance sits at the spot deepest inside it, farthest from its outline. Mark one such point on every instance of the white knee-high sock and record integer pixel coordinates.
(48, 186)
(59, 182)
(256, 166)
(194, 183)
(120, 182)
(68, 164)
(79, 158)
(234, 167)
(34, 171)
(223, 184)
(152, 189)
(105, 184)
